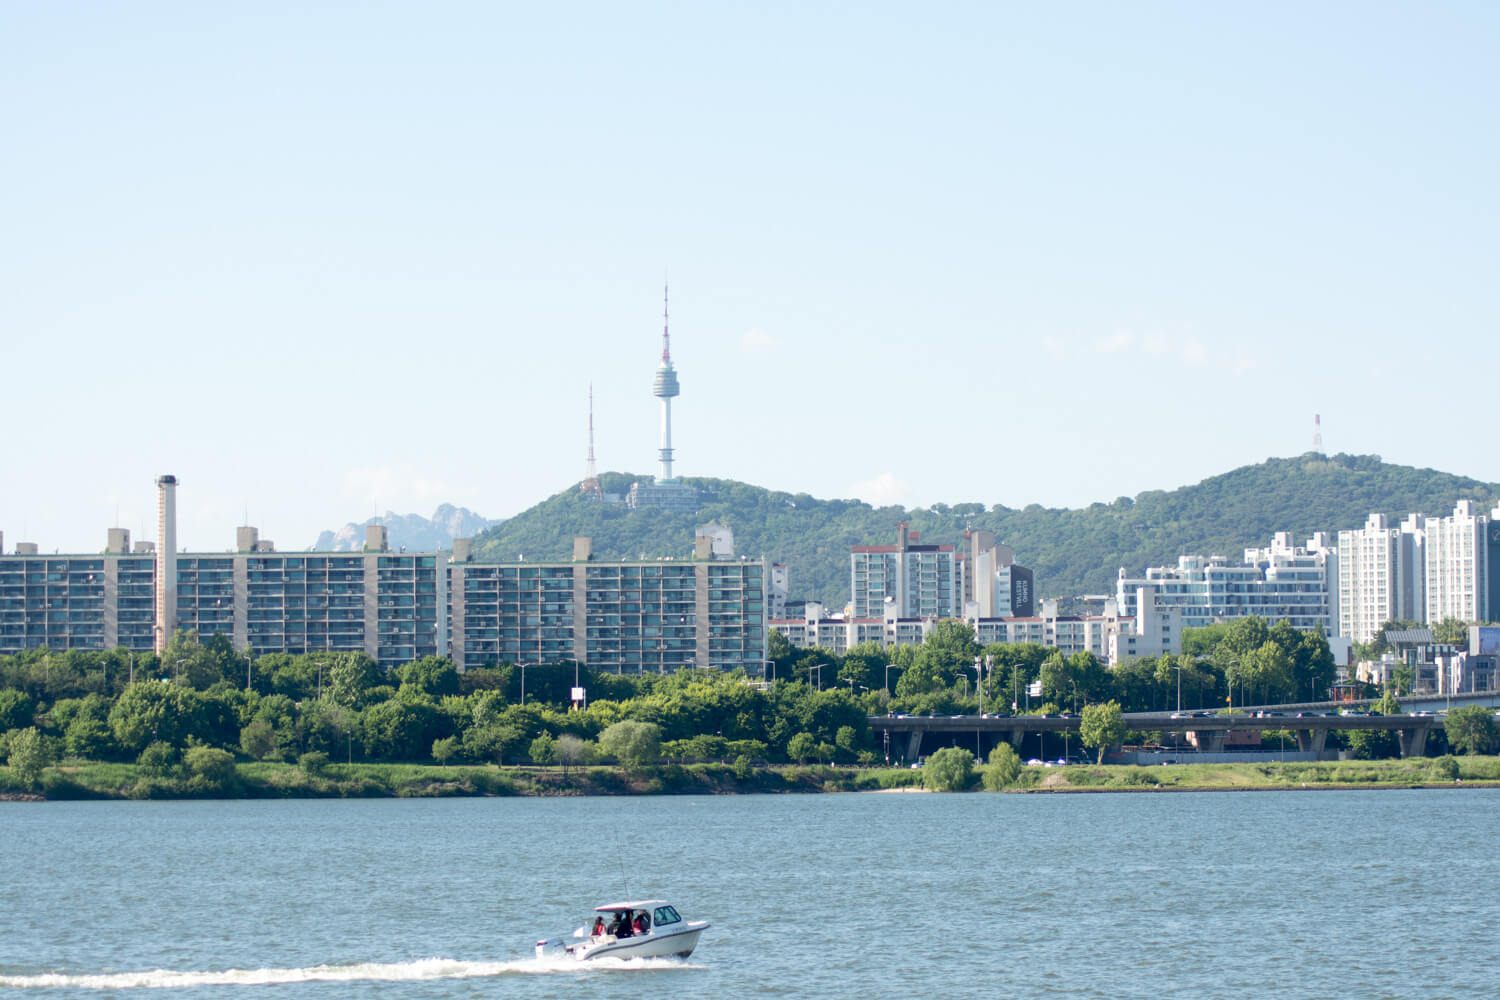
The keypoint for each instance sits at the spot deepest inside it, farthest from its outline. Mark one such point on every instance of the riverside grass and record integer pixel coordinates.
(74, 779)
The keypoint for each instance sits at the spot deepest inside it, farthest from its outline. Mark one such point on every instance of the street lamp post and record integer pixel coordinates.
(888, 667)
(523, 667)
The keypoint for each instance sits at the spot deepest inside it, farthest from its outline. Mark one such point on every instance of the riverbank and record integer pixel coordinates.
(1420, 772)
(81, 780)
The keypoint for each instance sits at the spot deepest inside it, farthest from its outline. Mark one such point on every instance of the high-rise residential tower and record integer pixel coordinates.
(1380, 575)
(1458, 565)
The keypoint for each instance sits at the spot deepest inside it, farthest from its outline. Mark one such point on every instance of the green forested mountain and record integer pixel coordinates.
(1072, 551)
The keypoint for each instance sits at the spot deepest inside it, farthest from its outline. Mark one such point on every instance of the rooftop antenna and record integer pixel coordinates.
(1318, 433)
(590, 485)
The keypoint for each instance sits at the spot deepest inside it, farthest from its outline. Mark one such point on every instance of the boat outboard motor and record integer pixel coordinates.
(551, 948)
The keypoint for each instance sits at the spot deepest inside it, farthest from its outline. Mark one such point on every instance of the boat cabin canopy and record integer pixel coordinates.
(660, 911)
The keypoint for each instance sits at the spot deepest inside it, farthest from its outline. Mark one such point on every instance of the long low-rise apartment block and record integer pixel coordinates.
(1150, 629)
(707, 610)
(389, 605)
(625, 616)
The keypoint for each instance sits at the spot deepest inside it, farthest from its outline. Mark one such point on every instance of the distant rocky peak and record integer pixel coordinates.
(412, 532)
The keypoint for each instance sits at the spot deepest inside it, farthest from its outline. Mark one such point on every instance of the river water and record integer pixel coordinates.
(1195, 895)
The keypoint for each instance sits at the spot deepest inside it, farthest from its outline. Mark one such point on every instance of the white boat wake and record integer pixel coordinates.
(427, 968)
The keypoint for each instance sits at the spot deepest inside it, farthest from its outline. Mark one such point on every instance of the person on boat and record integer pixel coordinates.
(621, 926)
(598, 927)
(641, 925)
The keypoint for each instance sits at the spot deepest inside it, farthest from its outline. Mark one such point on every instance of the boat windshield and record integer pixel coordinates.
(666, 915)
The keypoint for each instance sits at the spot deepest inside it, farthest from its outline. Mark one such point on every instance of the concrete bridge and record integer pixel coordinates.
(1311, 729)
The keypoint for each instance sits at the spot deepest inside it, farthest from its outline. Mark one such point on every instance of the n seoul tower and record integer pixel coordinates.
(664, 388)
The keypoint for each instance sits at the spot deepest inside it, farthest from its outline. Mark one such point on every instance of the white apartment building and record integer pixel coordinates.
(1381, 575)
(778, 583)
(1151, 629)
(1281, 582)
(818, 629)
(1457, 565)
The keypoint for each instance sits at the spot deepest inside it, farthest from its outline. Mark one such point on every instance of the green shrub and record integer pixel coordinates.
(1135, 777)
(28, 755)
(158, 759)
(1004, 767)
(209, 769)
(949, 770)
(899, 778)
(313, 762)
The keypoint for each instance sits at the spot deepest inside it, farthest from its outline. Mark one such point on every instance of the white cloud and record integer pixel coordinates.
(1194, 353)
(881, 490)
(1115, 343)
(758, 341)
(1154, 343)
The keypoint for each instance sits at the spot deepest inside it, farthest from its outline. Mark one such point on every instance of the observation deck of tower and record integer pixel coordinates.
(664, 387)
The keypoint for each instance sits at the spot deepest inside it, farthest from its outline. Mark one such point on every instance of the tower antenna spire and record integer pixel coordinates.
(590, 486)
(666, 339)
(664, 388)
(1318, 433)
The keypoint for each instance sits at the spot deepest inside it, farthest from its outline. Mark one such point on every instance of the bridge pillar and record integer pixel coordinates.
(1016, 736)
(1312, 739)
(1414, 740)
(1215, 740)
(914, 745)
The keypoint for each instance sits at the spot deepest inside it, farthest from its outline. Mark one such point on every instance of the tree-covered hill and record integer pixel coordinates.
(1072, 551)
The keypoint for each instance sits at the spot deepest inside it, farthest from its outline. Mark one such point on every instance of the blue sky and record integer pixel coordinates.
(319, 260)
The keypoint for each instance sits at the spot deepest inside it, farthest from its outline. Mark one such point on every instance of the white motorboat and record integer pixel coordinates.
(646, 928)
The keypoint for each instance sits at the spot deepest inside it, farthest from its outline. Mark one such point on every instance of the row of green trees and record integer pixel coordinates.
(950, 672)
(343, 706)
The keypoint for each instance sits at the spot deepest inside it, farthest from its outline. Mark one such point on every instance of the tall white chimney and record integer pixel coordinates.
(166, 560)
